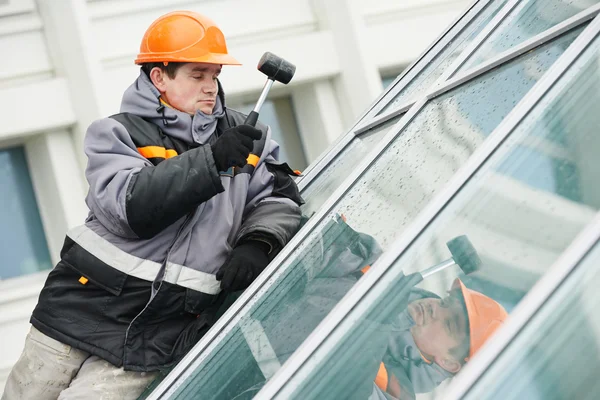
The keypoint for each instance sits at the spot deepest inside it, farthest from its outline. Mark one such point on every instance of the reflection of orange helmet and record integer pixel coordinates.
(485, 316)
(184, 36)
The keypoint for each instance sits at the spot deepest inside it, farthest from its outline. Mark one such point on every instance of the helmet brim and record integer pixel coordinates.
(211, 58)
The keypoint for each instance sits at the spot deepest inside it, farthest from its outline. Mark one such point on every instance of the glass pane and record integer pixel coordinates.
(328, 180)
(446, 57)
(22, 241)
(557, 355)
(520, 211)
(527, 19)
(380, 204)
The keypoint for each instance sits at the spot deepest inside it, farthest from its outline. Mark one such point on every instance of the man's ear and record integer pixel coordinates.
(158, 77)
(451, 365)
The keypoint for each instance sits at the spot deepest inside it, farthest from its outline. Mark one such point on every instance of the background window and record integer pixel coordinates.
(387, 80)
(279, 115)
(22, 242)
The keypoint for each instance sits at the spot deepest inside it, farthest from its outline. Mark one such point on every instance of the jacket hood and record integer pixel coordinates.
(142, 98)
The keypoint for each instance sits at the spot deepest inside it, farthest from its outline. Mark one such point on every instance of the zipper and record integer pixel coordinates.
(178, 236)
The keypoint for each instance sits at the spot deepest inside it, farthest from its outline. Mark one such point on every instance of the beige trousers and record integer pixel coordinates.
(49, 369)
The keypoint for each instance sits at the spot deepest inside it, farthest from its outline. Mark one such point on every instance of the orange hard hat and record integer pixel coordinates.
(485, 316)
(184, 36)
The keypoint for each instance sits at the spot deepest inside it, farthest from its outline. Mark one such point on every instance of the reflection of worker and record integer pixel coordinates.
(433, 338)
(179, 210)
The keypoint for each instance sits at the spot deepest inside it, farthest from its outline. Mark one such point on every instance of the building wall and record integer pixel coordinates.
(67, 63)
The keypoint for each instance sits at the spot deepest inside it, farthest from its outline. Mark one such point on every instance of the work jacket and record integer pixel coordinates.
(136, 283)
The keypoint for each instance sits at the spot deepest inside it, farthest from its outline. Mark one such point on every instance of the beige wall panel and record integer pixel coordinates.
(407, 38)
(19, 63)
(12, 7)
(51, 102)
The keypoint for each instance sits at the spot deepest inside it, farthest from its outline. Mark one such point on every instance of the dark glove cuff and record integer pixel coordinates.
(257, 242)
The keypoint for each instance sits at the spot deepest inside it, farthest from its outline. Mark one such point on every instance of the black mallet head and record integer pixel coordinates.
(276, 68)
(464, 254)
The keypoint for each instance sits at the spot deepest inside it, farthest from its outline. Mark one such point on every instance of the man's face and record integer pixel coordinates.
(193, 88)
(441, 325)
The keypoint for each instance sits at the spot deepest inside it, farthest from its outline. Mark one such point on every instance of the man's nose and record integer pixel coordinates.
(210, 88)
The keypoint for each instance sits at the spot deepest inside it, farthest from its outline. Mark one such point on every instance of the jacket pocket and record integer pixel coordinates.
(78, 291)
(93, 270)
(65, 301)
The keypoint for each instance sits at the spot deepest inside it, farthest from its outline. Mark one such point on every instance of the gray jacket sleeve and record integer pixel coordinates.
(273, 207)
(129, 195)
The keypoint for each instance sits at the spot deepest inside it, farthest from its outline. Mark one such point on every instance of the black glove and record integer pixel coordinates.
(234, 145)
(245, 262)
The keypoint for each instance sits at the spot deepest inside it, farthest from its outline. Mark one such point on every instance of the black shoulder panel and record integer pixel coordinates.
(145, 134)
(142, 132)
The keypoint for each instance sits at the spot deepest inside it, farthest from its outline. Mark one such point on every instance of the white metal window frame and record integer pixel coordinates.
(251, 295)
(284, 382)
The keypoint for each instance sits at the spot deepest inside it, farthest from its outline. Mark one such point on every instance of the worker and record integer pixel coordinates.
(187, 203)
(433, 338)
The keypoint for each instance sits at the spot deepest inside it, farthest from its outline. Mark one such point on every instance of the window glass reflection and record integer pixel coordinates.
(362, 225)
(332, 176)
(518, 223)
(405, 178)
